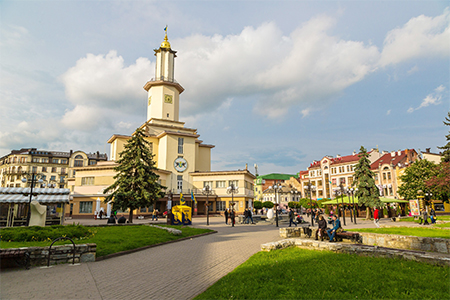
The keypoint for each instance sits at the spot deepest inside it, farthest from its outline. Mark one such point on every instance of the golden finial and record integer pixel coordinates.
(165, 43)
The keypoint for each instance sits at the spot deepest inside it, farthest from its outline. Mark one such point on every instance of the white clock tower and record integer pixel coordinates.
(163, 90)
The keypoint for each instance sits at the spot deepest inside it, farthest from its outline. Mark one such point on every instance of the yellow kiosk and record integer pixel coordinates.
(181, 215)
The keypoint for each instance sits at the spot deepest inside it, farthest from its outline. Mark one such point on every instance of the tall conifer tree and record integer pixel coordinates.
(136, 183)
(363, 180)
(446, 148)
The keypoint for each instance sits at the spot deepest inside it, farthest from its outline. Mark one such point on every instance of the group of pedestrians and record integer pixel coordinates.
(231, 214)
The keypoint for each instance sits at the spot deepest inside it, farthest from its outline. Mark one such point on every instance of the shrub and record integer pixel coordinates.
(267, 204)
(38, 233)
(257, 204)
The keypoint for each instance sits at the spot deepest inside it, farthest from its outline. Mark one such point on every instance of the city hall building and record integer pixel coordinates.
(182, 158)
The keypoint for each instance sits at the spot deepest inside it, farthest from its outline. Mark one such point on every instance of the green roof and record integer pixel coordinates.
(277, 176)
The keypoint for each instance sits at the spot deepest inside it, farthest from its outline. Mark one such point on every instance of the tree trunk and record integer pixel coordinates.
(367, 213)
(130, 216)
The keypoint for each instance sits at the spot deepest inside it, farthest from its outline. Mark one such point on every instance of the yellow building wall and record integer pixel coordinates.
(203, 160)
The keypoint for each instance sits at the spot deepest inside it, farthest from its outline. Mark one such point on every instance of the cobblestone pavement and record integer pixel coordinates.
(178, 270)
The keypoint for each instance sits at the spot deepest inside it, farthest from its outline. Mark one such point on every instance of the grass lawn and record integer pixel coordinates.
(112, 239)
(414, 231)
(411, 219)
(295, 273)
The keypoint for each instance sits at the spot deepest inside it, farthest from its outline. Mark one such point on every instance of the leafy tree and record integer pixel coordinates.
(257, 204)
(414, 178)
(446, 148)
(439, 184)
(268, 204)
(136, 183)
(293, 204)
(363, 179)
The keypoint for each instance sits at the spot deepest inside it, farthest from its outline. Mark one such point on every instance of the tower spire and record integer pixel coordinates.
(165, 44)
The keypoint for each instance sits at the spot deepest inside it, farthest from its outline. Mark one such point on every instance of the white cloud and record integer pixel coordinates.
(388, 112)
(307, 66)
(419, 37)
(433, 98)
(13, 35)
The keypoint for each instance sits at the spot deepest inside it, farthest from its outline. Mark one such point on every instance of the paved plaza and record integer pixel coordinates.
(178, 270)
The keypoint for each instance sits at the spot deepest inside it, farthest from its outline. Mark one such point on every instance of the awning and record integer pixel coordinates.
(338, 200)
(42, 195)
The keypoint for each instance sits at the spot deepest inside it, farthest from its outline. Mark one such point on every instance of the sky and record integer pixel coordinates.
(273, 83)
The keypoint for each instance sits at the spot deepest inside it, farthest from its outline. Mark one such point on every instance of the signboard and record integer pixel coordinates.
(181, 215)
(414, 207)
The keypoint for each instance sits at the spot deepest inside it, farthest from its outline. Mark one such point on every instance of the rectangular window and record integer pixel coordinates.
(44, 169)
(52, 178)
(78, 163)
(85, 207)
(180, 182)
(45, 160)
(54, 170)
(350, 180)
(92, 162)
(220, 184)
(384, 176)
(61, 179)
(143, 209)
(64, 161)
(180, 145)
(235, 183)
(87, 180)
(389, 175)
(333, 181)
(55, 161)
(36, 160)
(208, 183)
(63, 171)
(34, 170)
(220, 205)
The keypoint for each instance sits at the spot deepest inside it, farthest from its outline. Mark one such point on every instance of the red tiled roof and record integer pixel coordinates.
(389, 159)
(344, 159)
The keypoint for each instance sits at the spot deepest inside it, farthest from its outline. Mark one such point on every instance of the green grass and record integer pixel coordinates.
(295, 273)
(414, 231)
(113, 239)
(411, 219)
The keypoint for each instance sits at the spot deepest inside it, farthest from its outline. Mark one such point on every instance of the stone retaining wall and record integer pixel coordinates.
(431, 258)
(60, 254)
(385, 240)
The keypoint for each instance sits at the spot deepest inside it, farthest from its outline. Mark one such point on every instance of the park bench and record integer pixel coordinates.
(20, 256)
(353, 236)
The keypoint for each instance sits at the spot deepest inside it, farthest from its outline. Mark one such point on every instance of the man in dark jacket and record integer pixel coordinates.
(291, 218)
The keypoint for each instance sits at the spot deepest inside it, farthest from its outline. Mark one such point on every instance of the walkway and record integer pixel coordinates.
(179, 270)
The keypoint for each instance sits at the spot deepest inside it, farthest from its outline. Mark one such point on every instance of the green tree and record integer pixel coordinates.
(363, 179)
(446, 148)
(439, 183)
(415, 177)
(257, 204)
(136, 183)
(268, 204)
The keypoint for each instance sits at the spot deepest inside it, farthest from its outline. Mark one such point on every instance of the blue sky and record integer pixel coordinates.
(276, 83)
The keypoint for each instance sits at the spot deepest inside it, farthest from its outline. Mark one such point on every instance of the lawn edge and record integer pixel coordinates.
(150, 246)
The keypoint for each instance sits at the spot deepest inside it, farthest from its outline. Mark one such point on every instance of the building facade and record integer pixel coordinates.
(52, 166)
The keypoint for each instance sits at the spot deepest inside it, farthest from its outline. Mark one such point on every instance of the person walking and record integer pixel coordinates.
(425, 217)
(291, 218)
(250, 215)
(232, 217)
(226, 216)
(245, 216)
(376, 217)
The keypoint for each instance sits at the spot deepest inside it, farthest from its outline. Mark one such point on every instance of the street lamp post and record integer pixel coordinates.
(232, 190)
(207, 191)
(276, 188)
(169, 206)
(341, 186)
(310, 187)
(35, 178)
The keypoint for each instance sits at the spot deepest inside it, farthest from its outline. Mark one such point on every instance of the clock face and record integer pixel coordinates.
(168, 99)
(180, 164)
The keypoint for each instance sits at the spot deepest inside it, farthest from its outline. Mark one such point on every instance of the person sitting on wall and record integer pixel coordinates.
(322, 228)
(337, 226)
(122, 220)
(111, 220)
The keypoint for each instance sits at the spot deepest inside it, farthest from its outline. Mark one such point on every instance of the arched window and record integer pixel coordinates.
(78, 161)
